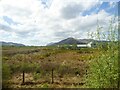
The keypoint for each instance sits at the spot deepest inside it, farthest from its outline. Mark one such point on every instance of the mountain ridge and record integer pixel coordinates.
(10, 44)
(71, 41)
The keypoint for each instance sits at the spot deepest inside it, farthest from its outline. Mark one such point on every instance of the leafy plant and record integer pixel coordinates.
(36, 76)
(103, 71)
(6, 72)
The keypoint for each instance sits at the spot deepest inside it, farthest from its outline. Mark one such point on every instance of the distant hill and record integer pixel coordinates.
(71, 41)
(10, 44)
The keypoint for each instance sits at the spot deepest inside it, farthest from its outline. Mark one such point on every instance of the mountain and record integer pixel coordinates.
(10, 44)
(72, 41)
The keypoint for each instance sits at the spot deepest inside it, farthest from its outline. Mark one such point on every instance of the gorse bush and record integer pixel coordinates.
(103, 71)
(6, 72)
(6, 75)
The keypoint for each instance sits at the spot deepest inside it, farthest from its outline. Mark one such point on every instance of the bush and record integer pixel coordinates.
(36, 76)
(103, 71)
(6, 75)
(6, 72)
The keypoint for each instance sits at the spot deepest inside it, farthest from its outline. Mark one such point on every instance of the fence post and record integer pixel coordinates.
(86, 73)
(52, 77)
(23, 77)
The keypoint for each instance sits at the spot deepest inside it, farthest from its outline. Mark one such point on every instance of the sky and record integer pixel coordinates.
(39, 22)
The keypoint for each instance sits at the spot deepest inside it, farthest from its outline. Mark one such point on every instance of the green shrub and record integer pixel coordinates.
(103, 71)
(36, 76)
(45, 85)
(6, 72)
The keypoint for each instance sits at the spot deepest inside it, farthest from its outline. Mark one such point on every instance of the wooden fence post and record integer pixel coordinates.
(52, 77)
(23, 77)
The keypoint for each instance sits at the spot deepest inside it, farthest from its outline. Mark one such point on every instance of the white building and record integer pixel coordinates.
(85, 45)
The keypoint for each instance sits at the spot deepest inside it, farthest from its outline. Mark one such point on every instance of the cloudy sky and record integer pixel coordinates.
(39, 22)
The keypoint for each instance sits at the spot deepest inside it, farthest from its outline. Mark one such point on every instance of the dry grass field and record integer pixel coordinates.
(69, 66)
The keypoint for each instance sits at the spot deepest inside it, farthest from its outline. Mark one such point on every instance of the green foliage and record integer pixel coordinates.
(85, 50)
(103, 71)
(6, 72)
(15, 68)
(5, 58)
(68, 47)
(36, 76)
(45, 85)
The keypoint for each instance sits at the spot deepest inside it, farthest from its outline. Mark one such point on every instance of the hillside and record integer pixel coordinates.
(72, 41)
(10, 44)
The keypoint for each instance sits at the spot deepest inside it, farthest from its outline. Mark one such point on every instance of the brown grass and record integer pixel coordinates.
(69, 68)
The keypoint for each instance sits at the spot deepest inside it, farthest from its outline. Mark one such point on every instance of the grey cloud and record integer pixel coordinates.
(63, 34)
(57, 27)
(86, 27)
(23, 34)
(27, 33)
(20, 33)
(71, 11)
(4, 27)
(11, 30)
(78, 29)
